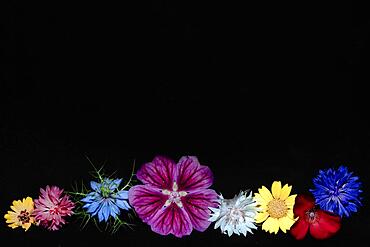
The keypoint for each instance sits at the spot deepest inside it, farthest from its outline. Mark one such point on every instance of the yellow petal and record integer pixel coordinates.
(26, 226)
(271, 225)
(261, 217)
(16, 209)
(276, 189)
(258, 198)
(265, 194)
(290, 214)
(17, 203)
(285, 191)
(290, 201)
(266, 226)
(286, 223)
(14, 225)
(10, 217)
(28, 203)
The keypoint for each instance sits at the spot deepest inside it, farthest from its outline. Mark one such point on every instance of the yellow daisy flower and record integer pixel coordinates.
(21, 214)
(276, 209)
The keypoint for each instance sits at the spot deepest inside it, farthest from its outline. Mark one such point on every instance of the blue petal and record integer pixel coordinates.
(114, 184)
(94, 208)
(114, 210)
(123, 204)
(337, 191)
(106, 210)
(92, 196)
(122, 194)
(95, 186)
(100, 212)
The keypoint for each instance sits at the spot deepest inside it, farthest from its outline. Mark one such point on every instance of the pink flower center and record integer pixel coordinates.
(54, 210)
(174, 196)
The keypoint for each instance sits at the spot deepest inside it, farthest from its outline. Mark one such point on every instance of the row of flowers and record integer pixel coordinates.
(176, 198)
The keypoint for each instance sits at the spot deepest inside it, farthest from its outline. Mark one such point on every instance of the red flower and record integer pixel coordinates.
(322, 224)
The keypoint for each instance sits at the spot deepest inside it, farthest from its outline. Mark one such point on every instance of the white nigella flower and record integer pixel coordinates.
(235, 215)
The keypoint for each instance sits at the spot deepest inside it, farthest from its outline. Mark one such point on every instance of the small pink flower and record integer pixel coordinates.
(51, 208)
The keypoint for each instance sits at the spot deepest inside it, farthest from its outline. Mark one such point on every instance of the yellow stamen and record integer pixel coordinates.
(277, 208)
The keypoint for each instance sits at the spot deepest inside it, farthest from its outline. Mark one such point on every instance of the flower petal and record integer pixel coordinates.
(28, 204)
(285, 191)
(303, 203)
(171, 219)
(95, 186)
(259, 200)
(265, 194)
(106, 210)
(160, 173)
(271, 225)
(93, 208)
(326, 226)
(193, 176)
(276, 189)
(122, 195)
(114, 184)
(122, 204)
(289, 202)
(261, 217)
(285, 223)
(196, 205)
(146, 201)
(299, 229)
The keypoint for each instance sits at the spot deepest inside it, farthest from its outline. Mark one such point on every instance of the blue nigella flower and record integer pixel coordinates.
(337, 191)
(106, 199)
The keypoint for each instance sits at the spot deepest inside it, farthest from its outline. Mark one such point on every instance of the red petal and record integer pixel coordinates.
(326, 226)
(303, 203)
(299, 229)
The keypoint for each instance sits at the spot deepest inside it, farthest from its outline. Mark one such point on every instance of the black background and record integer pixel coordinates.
(259, 92)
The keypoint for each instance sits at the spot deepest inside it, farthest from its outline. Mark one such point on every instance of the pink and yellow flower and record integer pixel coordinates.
(52, 207)
(175, 197)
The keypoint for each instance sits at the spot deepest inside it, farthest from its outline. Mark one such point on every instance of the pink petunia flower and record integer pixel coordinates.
(51, 208)
(174, 198)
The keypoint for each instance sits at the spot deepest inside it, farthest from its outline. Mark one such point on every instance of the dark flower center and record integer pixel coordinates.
(311, 216)
(24, 217)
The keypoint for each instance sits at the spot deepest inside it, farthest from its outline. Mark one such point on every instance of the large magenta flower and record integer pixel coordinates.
(174, 198)
(52, 207)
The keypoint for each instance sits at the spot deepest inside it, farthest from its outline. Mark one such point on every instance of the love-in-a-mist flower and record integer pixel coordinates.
(52, 207)
(321, 224)
(235, 215)
(21, 214)
(276, 208)
(175, 197)
(337, 191)
(106, 200)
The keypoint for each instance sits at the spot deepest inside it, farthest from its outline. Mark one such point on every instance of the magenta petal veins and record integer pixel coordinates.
(175, 197)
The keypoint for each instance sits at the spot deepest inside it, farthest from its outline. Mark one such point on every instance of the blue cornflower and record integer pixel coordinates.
(106, 199)
(337, 191)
